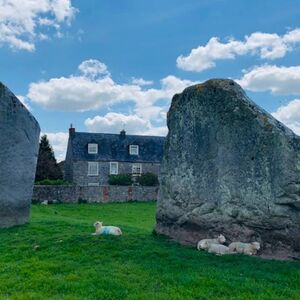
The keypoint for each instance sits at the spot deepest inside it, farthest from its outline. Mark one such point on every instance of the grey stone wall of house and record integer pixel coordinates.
(81, 178)
(97, 194)
(19, 141)
(229, 167)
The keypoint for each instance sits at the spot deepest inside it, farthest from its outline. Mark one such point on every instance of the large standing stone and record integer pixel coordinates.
(229, 167)
(19, 140)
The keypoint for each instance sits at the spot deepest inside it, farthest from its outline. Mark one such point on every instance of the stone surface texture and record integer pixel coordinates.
(229, 167)
(19, 141)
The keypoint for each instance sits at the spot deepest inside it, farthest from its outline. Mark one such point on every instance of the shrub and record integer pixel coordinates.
(148, 179)
(120, 179)
(51, 182)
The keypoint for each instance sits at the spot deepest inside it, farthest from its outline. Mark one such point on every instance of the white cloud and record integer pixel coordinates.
(90, 92)
(59, 142)
(266, 45)
(22, 22)
(290, 115)
(278, 80)
(115, 122)
(94, 88)
(141, 81)
(93, 68)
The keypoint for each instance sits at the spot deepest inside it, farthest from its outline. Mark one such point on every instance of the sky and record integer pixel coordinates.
(105, 65)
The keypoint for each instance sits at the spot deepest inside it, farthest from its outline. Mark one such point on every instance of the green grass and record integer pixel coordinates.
(56, 257)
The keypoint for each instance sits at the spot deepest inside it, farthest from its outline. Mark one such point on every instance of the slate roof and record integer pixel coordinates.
(115, 147)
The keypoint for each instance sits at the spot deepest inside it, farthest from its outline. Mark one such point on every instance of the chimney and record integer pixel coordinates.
(122, 133)
(71, 130)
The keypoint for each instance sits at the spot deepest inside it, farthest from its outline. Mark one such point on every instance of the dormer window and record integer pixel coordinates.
(93, 148)
(134, 150)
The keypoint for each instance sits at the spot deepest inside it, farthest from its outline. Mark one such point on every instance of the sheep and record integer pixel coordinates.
(245, 248)
(218, 249)
(204, 244)
(113, 230)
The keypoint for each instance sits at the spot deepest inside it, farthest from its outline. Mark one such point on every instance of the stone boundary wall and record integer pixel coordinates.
(94, 194)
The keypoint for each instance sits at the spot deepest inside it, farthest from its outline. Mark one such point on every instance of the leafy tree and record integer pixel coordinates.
(47, 167)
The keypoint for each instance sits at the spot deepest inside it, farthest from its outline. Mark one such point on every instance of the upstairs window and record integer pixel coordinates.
(113, 168)
(134, 150)
(136, 169)
(93, 148)
(93, 168)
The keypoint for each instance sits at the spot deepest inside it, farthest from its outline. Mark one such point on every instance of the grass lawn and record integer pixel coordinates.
(56, 257)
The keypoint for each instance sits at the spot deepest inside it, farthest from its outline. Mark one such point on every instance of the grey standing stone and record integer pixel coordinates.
(19, 142)
(229, 167)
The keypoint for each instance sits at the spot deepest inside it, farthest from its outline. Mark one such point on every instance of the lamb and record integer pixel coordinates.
(245, 248)
(113, 230)
(219, 249)
(204, 244)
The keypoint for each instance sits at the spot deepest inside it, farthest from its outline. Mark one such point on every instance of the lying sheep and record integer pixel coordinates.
(204, 244)
(244, 248)
(113, 230)
(219, 249)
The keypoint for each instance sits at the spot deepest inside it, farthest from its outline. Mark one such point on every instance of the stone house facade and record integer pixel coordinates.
(92, 157)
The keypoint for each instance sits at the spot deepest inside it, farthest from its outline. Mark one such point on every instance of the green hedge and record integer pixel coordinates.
(148, 179)
(51, 182)
(120, 179)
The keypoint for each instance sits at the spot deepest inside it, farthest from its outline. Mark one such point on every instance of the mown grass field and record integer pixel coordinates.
(56, 257)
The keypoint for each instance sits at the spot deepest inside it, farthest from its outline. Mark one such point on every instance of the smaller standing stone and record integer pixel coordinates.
(19, 142)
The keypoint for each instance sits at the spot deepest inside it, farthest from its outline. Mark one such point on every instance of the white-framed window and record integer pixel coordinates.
(113, 168)
(136, 169)
(93, 168)
(134, 150)
(93, 148)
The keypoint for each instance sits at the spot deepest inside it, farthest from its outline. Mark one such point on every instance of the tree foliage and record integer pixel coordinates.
(47, 167)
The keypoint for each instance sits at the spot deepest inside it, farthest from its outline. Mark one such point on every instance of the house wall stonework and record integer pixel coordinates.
(99, 194)
(81, 177)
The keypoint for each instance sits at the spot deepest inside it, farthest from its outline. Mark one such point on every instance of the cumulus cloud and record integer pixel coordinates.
(266, 45)
(278, 80)
(93, 68)
(89, 91)
(115, 122)
(58, 141)
(290, 115)
(141, 81)
(94, 88)
(22, 22)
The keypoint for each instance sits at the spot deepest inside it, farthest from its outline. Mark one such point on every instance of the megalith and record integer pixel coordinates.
(19, 142)
(229, 167)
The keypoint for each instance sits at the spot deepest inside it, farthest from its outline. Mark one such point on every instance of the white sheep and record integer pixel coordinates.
(113, 230)
(245, 248)
(218, 249)
(204, 244)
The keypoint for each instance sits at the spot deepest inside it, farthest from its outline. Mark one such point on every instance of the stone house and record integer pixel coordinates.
(92, 157)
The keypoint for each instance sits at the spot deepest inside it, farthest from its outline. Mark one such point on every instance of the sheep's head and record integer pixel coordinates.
(221, 239)
(256, 245)
(98, 224)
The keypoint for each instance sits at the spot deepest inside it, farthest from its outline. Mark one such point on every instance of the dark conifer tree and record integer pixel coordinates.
(47, 167)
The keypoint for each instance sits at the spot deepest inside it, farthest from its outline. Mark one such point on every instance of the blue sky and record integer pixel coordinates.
(107, 64)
